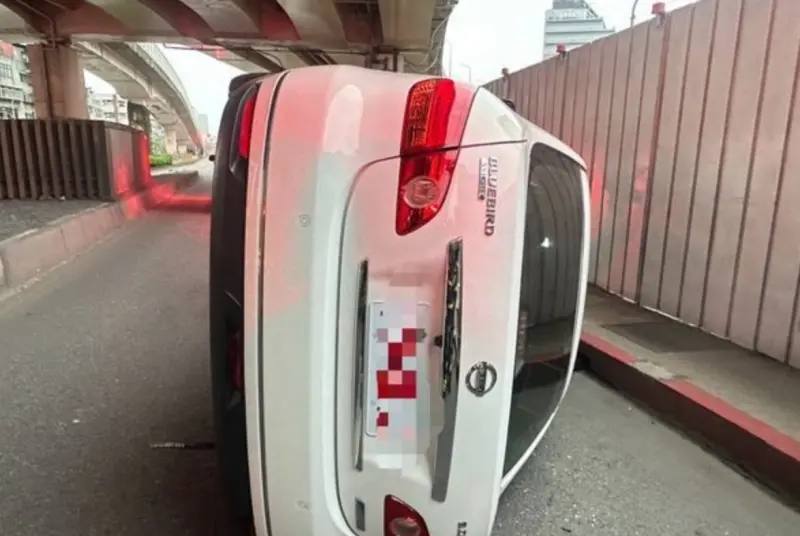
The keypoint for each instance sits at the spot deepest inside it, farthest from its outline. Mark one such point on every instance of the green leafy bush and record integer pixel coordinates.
(159, 160)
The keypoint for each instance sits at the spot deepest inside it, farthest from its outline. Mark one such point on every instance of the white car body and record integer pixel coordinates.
(322, 192)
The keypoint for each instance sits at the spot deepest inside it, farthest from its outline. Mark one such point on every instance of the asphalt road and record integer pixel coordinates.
(608, 468)
(109, 354)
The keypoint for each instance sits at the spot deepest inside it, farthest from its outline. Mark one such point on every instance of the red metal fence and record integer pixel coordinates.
(71, 159)
(689, 130)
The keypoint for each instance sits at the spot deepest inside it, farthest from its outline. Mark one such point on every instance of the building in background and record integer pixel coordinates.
(107, 107)
(202, 123)
(572, 23)
(211, 143)
(158, 138)
(209, 138)
(16, 92)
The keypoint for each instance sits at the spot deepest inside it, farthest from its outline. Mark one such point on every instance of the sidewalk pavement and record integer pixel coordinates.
(18, 216)
(52, 232)
(743, 405)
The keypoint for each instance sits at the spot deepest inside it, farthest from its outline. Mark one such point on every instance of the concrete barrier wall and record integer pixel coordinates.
(691, 132)
(70, 159)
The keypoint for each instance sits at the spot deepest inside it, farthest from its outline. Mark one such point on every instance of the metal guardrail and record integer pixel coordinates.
(71, 159)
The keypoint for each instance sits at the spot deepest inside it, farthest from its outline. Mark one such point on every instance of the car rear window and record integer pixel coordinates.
(551, 274)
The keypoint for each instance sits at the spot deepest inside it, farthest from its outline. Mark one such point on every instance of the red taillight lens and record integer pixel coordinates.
(246, 122)
(399, 519)
(242, 133)
(435, 118)
(424, 182)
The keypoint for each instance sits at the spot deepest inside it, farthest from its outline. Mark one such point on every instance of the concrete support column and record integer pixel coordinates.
(59, 90)
(139, 117)
(171, 141)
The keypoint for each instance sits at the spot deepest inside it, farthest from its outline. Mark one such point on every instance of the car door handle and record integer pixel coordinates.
(451, 358)
(359, 367)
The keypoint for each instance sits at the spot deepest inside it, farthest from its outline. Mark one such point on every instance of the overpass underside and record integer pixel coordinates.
(251, 34)
(115, 40)
(111, 65)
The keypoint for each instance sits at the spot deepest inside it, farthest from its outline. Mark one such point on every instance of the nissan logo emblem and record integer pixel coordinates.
(481, 378)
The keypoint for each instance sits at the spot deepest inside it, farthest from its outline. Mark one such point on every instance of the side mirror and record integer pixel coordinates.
(211, 157)
(510, 104)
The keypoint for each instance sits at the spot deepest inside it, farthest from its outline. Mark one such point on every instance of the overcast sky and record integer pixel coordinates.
(483, 36)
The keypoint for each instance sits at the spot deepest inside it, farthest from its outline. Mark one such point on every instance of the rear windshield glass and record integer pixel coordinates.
(548, 294)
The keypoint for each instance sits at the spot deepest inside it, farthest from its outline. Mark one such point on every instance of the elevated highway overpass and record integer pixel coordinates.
(142, 74)
(269, 35)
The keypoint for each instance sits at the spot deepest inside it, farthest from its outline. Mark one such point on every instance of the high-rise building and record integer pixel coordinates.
(16, 92)
(572, 23)
(107, 107)
(202, 120)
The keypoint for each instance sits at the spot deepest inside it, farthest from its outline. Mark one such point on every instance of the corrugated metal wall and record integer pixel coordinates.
(70, 159)
(691, 132)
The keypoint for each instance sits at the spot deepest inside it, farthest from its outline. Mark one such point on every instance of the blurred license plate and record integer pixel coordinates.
(398, 386)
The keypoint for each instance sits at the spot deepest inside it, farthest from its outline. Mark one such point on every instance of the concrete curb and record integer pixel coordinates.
(189, 162)
(181, 179)
(28, 255)
(767, 454)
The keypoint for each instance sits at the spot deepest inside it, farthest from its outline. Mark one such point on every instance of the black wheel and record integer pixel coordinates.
(226, 272)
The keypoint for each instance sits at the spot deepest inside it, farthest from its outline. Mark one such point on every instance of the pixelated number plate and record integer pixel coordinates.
(397, 353)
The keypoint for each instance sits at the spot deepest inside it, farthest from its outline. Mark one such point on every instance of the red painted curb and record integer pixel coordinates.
(767, 454)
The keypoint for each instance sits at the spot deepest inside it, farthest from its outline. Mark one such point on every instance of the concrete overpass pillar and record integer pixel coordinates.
(59, 90)
(171, 141)
(139, 117)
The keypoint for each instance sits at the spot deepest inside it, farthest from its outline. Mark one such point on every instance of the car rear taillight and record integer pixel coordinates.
(246, 124)
(399, 519)
(242, 133)
(433, 126)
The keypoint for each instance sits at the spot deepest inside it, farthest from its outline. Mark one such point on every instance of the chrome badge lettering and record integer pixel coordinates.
(487, 192)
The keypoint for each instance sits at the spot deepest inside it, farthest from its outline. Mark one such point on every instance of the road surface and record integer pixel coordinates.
(109, 354)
